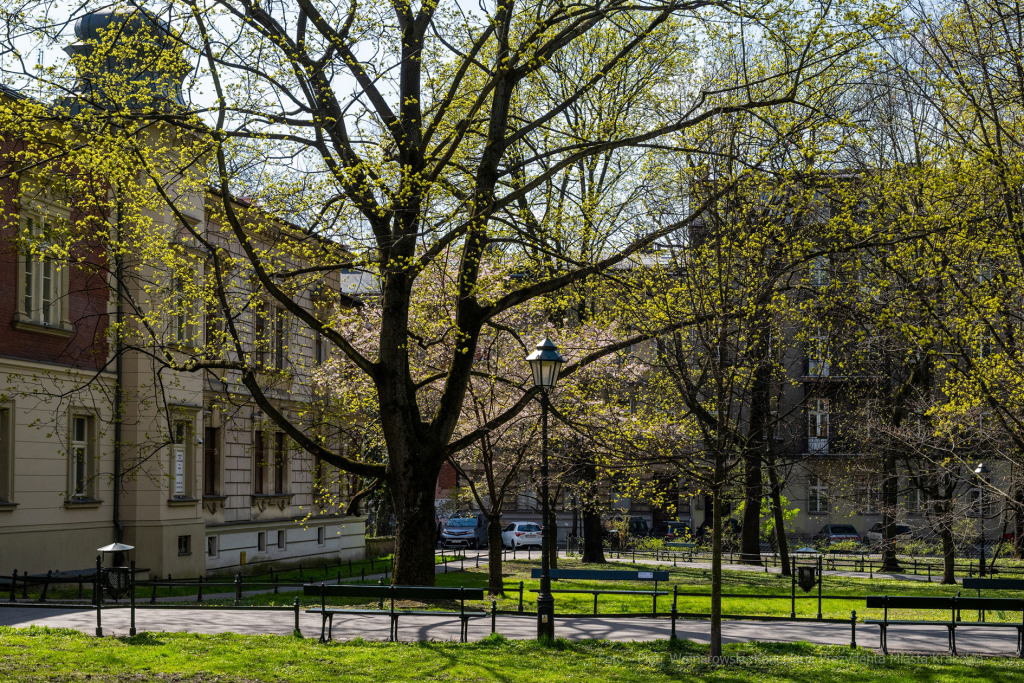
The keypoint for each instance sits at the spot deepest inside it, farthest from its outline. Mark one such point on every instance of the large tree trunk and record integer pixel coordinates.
(495, 580)
(1018, 521)
(416, 534)
(552, 537)
(593, 533)
(716, 564)
(889, 490)
(777, 513)
(750, 541)
(948, 555)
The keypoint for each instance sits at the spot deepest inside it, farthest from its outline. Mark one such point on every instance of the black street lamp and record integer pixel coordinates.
(545, 362)
(979, 473)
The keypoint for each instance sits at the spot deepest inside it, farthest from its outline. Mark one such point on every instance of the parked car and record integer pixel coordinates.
(520, 535)
(468, 531)
(837, 533)
(877, 533)
(671, 531)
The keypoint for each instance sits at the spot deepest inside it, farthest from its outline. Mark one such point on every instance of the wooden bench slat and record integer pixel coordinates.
(603, 575)
(993, 584)
(591, 591)
(941, 602)
(399, 592)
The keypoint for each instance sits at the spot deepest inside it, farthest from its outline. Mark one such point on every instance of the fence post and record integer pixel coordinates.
(380, 602)
(14, 585)
(792, 599)
(79, 586)
(929, 572)
(99, 598)
(274, 574)
(131, 570)
(494, 614)
(152, 598)
(199, 598)
(297, 631)
(853, 630)
(520, 596)
(238, 589)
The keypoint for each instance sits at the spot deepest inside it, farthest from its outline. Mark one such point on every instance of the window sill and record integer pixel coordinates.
(181, 502)
(818, 514)
(31, 326)
(82, 503)
(6, 506)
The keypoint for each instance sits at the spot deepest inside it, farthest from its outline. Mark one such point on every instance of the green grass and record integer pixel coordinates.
(39, 655)
(689, 581)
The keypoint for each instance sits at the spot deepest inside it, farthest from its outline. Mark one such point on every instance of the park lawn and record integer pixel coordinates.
(39, 655)
(688, 580)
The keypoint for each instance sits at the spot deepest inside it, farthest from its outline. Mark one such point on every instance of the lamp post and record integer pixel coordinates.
(979, 473)
(545, 362)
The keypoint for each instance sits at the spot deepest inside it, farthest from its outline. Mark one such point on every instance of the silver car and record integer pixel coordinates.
(466, 532)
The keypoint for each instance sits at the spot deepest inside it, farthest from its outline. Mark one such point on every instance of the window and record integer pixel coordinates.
(179, 462)
(261, 542)
(213, 325)
(259, 463)
(42, 285)
(817, 425)
(918, 501)
(179, 312)
(321, 535)
(259, 333)
(817, 356)
(211, 546)
(868, 498)
(184, 545)
(210, 462)
(81, 456)
(319, 348)
(817, 496)
(280, 462)
(282, 542)
(819, 273)
(6, 455)
(280, 339)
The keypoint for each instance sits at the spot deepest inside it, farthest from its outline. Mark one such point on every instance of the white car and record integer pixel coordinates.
(877, 532)
(521, 534)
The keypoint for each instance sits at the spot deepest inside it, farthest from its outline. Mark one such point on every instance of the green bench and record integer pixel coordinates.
(953, 605)
(391, 593)
(606, 575)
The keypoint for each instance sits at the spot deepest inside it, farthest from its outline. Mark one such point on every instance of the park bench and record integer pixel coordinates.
(680, 545)
(992, 584)
(607, 575)
(391, 593)
(953, 605)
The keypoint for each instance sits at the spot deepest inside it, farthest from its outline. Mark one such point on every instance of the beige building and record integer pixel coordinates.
(189, 470)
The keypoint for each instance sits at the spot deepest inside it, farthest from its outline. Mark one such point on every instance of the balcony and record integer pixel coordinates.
(817, 445)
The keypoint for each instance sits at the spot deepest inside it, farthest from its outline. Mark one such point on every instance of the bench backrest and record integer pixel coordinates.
(994, 584)
(603, 575)
(942, 602)
(397, 592)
